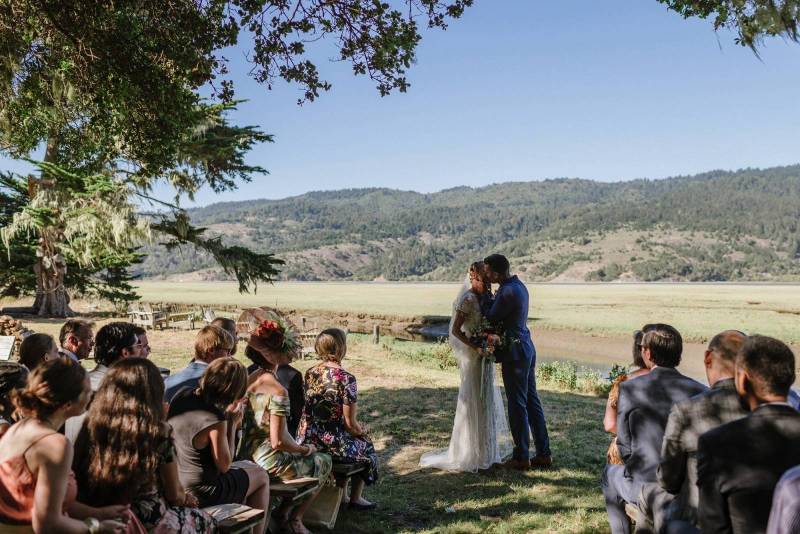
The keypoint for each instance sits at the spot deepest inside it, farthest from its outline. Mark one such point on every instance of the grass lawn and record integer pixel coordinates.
(697, 310)
(409, 405)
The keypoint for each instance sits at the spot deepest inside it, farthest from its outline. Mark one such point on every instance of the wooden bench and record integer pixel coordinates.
(631, 510)
(291, 490)
(144, 315)
(182, 317)
(343, 472)
(235, 518)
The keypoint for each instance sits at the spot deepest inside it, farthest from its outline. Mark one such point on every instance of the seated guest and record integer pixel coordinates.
(330, 420)
(211, 343)
(288, 377)
(643, 407)
(204, 423)
(677, 471)
(37, 487)
(739, 463)
(76, 339)
(114, 342)
(13, 376)
(785, 515)
(37, 349)
(610, 417)
(273, 447)
(229, 325)
(125, 454)
(142, 343)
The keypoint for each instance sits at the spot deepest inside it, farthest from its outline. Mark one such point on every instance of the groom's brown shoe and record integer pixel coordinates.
(519, 465)
(541, 461)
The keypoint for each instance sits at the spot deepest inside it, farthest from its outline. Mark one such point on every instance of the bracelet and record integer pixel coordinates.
(92, 524)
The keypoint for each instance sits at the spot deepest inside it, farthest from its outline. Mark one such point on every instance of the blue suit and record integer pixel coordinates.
(188, 377)
(509, 310)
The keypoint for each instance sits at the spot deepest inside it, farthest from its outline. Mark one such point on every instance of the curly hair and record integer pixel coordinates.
(111, 340)
(50, 386)
(117, 450)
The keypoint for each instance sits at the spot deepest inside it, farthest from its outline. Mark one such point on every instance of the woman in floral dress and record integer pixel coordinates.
(329, 418)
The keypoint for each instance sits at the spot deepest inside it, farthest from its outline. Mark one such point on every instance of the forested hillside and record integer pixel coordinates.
(715, 226)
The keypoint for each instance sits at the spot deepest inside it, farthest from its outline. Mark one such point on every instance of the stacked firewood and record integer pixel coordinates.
(13, 327)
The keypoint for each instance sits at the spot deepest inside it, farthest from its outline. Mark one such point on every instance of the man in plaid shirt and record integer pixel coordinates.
(675, 497)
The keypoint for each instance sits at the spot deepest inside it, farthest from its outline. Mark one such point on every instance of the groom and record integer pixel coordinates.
(509, 310)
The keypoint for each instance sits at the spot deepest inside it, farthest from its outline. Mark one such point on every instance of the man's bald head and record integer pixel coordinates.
(722, 350)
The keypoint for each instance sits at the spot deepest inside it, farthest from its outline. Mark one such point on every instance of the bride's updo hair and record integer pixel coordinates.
(331, 345)
(476, 270)
(50, 386)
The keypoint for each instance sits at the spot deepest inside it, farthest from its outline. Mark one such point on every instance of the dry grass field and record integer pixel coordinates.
(697, 310)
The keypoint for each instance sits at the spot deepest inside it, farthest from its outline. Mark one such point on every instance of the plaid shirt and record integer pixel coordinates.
(688, 420)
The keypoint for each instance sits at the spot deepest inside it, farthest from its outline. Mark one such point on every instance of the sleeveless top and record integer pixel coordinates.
(188, 416)
(17, 488)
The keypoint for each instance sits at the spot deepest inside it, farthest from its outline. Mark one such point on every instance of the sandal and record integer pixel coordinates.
(295, 526)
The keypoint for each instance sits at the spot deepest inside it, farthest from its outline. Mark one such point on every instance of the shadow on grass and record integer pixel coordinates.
(407, 422)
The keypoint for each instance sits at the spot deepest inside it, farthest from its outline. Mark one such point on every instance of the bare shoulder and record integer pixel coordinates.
(267, 383)
(53, 449)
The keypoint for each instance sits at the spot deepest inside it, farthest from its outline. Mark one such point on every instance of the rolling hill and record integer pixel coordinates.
(716, 226)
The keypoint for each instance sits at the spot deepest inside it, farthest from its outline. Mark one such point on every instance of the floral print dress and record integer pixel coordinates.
(328, 389)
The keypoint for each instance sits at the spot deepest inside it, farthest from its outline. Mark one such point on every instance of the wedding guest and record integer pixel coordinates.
(610, 417)
(125, 454)
(211, 343)
(37, 487)
(784, 518)
(288, 377)
(114, 342)
(330, 421)
(739, 463)
(273, 447)
(688, 420)
(643, 408)
(142, 343)
(13, 376)
(37, 349)
(204, 422)
(229, 325)
(76, 338)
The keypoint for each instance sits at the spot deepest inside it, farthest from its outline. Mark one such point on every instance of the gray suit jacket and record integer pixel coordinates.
(642, 412)
(677, 472)
(785, 515)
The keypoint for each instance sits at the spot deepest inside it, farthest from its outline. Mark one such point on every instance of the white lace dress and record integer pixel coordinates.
(480, 435)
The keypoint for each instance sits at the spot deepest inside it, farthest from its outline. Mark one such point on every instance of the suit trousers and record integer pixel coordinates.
(618, 490)
(525, 411)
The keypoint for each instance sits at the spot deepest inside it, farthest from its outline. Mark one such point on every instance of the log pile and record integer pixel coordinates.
(13, 327)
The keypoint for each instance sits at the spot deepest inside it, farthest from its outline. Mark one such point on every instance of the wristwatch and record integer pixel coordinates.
(93, 525)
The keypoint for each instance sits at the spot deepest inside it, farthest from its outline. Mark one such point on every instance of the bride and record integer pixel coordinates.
(480, 435)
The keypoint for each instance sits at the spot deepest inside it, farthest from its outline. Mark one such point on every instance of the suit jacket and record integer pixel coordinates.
(785, 515)
(739, 465)
(642, 411)
(677, 472)
(509, 310)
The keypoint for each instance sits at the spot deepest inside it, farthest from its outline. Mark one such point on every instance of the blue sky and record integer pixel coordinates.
(532, 89)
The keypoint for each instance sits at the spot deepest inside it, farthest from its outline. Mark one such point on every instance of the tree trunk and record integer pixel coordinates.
(52, 299)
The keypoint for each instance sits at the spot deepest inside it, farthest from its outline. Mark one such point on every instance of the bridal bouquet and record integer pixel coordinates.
(490, 338)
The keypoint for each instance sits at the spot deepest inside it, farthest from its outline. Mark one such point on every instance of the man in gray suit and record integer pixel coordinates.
(677, 471)
(785, 515)
(642, 412)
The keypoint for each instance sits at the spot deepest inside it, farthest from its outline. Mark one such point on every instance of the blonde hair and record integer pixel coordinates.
(331, 345)
(223, 382)
(211, 338)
